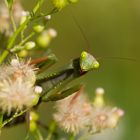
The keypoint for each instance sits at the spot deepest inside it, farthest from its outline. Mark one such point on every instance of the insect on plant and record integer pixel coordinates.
(25, 81)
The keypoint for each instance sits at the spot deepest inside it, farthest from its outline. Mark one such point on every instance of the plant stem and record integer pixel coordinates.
(46, 127)
(27, 136)
(12, 20)
(38, 135)
(53, 11)
(13, 117)
(12, 41)
(38, 5)
(27, 38)
(51, 131)
(20, 47)
(72, 137)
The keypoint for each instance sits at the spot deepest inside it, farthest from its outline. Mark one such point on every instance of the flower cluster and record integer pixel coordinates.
(17, 90)
(75, 113)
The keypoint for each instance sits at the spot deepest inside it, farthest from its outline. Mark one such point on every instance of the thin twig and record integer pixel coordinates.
(13, 117)
(46, 127)
(12, 21)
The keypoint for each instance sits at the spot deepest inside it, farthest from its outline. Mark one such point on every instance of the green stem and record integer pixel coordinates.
(11, 15)
(12, 20)
(51, 131)
(53, 11)
(27, 38)
(27, 136)
(12, 41)
(13, 117)
(38, 135)
(72, 137)
(20, 47)
(38, 5)
(22, 33)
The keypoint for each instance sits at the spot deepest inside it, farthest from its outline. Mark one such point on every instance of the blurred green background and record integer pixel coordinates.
(113, 30)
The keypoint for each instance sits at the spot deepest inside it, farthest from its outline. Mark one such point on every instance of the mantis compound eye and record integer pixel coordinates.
(88, 62)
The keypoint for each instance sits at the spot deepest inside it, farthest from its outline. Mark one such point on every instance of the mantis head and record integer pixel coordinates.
(88, 62)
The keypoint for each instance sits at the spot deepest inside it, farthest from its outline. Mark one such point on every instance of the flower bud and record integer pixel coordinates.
(29, 45)
(38, 89)
(33, 126)
(35, 100)
(48, 17)
(100, 91)
(45, 38)
(38, 28)
(25, 13)
(23, 53)
(33, 116)
(99, 100)
(59, 4)
(52, 32)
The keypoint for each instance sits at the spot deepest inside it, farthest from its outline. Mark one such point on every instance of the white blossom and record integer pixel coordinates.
(104, 118)
(17, 89)
(73, 113)
(15, 95)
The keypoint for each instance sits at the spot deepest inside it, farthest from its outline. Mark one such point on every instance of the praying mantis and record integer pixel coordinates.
(56, 85)
(52, 84)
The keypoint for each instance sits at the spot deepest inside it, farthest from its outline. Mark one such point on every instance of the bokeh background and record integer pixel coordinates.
(113, 30)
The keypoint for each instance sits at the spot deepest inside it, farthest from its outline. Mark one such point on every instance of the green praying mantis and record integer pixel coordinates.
(53, 84)
(56, 85)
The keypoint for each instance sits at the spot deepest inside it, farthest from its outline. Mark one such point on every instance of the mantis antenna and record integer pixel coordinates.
(82, 33)
(88, 45)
